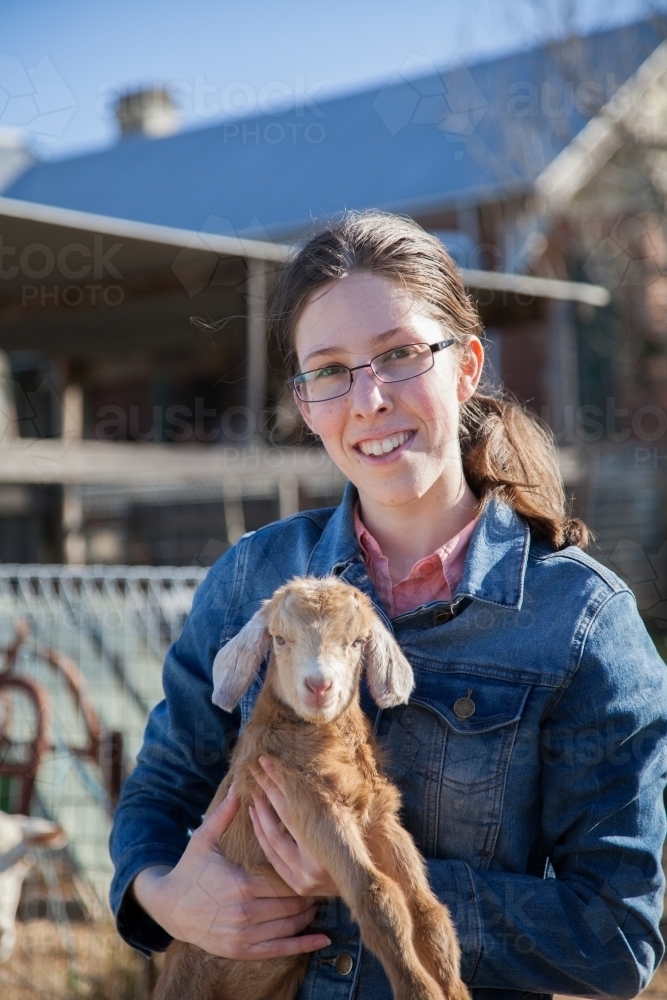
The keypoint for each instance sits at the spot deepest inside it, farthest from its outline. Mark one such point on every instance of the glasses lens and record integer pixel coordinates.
(323, 383)
(403, 362)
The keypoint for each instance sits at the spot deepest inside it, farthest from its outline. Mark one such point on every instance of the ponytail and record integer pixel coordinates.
(508, 454)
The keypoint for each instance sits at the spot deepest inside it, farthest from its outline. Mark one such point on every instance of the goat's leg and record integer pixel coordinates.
(394, 852)
(375, 900)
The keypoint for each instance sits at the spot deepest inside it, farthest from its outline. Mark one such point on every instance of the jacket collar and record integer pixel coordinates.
(494, 568)
(338, 545)
(495, 565)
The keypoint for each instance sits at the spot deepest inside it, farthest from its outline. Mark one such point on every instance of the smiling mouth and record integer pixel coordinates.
(384, 446)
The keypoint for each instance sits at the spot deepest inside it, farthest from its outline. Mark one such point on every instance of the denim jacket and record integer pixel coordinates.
(540, 814)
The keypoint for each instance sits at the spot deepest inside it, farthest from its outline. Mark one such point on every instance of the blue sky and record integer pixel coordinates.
(63, 61)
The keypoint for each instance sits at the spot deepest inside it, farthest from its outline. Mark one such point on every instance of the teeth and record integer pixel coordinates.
(385, 446)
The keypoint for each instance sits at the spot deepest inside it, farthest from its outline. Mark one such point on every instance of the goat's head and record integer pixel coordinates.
(320, 632)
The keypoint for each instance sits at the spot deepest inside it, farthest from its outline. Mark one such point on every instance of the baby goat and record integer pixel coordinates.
(307, 718)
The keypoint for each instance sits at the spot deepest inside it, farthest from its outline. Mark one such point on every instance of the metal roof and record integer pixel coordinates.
(460, 136)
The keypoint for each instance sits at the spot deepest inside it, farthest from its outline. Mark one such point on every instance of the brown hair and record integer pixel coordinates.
(507, 452)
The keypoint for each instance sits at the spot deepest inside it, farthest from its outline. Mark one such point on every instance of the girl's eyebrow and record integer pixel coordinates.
(375, 341)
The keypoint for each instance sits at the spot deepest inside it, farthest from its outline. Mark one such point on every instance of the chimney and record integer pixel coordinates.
(149, 112)
(15, 157)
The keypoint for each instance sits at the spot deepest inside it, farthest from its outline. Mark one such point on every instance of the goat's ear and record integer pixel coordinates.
(39, 832)
(239, 660)
(389, 675)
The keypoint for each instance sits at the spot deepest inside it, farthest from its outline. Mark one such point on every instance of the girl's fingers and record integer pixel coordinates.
(282, 927)
(276, 798)
(280, 947)
(258, 887)
(272, 771)
(262, 911)
(271, 821)
(220, 819)
(281, 866)
(280, 840)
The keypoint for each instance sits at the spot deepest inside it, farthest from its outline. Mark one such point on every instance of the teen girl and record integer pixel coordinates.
(531, 756)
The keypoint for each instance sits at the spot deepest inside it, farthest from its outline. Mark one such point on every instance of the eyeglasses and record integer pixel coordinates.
(396, 365)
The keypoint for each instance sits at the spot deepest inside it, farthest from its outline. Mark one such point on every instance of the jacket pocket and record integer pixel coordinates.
(449, 751)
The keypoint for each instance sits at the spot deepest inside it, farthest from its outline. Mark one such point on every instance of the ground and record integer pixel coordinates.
(72, 962)
(79, 960)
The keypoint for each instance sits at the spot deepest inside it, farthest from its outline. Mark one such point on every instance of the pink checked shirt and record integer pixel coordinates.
(434, 578)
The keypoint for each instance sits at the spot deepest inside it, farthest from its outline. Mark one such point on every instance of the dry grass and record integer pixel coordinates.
(73, 962)
(90, 962)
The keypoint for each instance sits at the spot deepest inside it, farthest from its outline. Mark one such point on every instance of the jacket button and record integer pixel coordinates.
(465, 707)
(343, 964)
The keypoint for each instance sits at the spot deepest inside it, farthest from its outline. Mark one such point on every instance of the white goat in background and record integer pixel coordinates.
(18, 835)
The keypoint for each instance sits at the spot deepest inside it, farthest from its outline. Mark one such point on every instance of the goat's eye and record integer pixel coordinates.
(358, 642)
(279, 639)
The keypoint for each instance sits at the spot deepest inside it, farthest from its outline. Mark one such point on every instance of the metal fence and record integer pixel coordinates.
(115, 624)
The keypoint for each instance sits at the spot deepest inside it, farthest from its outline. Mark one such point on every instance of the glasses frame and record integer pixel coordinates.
(439, 345)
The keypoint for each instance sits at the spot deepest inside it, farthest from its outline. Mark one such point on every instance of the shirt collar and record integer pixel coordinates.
(495, 565)
(444, 556)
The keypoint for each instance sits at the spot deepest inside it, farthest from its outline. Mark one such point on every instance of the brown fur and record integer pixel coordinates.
(343, 807)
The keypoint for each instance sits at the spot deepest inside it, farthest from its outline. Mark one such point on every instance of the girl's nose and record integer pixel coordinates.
(368, 394)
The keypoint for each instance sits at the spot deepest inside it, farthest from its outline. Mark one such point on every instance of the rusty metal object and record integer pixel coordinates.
(25, 769)
(76, 683)
(11, 652)
(103, 746)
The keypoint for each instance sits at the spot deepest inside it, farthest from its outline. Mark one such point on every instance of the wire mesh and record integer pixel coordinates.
(116, 623)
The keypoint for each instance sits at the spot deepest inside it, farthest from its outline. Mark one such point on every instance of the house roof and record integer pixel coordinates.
(481, 132)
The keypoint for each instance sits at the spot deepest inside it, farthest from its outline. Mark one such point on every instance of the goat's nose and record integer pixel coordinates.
(318, 685)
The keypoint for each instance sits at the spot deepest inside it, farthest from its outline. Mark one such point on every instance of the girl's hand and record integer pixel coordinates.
(294, 863)
(209, 902)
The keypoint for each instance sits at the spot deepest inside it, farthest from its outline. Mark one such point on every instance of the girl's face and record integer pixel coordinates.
(349, 322)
